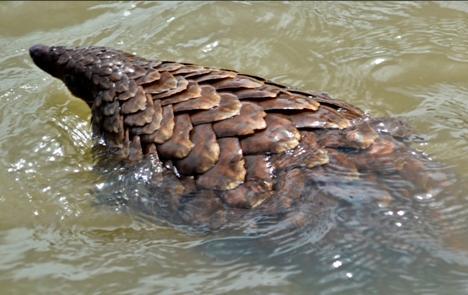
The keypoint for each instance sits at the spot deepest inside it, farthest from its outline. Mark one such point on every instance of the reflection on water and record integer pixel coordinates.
(405, 59)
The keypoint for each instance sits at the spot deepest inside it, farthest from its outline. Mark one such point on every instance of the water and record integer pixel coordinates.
(403, 59)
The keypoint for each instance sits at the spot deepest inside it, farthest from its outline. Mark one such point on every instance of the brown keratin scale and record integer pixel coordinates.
(246, 138)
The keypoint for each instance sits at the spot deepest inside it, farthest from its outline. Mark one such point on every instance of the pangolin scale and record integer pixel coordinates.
(247, 141)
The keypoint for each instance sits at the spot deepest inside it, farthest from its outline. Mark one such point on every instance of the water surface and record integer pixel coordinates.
(402, 59)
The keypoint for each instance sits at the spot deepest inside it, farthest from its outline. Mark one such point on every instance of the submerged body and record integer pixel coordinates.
(224, 144)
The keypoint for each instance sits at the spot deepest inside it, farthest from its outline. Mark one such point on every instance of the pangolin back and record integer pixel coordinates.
(242, 136)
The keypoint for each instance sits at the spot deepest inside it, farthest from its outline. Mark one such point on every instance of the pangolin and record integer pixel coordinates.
(244, 141)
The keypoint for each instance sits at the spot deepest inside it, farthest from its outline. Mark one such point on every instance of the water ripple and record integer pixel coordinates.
(405, 59)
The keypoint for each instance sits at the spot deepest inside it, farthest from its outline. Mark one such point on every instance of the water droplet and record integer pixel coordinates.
(337, 264)
(209, 47)
(424, 197)
(378, 60)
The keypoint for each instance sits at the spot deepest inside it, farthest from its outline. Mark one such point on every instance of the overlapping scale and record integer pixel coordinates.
(208, 99)
(250, 119)
(130, 92)
(265, 91)
(111, 108)
(166, 129)
(142, 117)
(149, 77)
(259, 167)
(135, 103)
(123, 85)
(227, 139)
(280, 135)
(166, 82)
(169, 66)
(229, 106)
(180, 86)
(250, 194)
(360, 136)
(188, 69)
(107, 95)
(227, 131)
(192, 91)
(229, 172)
(287, 103)
(204, 154)
(154, 123)
(113, 123)
(239, 82)
(324, 117)
(215, 75)
(179, 145)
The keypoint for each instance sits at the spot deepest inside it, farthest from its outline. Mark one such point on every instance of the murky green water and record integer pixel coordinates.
(407, 59)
